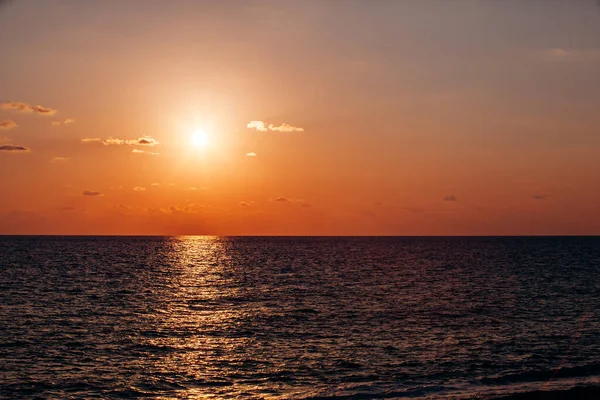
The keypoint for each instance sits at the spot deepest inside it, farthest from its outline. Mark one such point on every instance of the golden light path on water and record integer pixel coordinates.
(205, 306)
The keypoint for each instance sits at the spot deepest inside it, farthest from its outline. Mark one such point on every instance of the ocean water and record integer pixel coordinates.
(298, 318)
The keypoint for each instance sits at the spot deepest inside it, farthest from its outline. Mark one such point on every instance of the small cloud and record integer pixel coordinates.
(172, 184)
(450, 198)
(91, 140)
(67, 209)
(91, 193)
(378, 204)
(137, 151)
(306, 205)
(59, 159)
(155, 184)
(281, 199)
(244, 204)
(146, 141)
(7, 124)
(55, 123)
(24, 107)
(251, 154)
(193, 188)
(258, 125)
(285, 128)
(12, 148)
(540, 197)
(139, 189)
(570, 55)
(261, 126)
(143, 141)
(69, 121)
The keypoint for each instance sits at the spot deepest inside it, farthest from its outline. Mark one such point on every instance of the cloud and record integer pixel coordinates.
(251, 154)
(258, 125)
(540, 197)
(69, 121)
(570, 55)
(281, 199)
(139, 189)
(142, 141)
(12, 148)
(59, 159)
(285, 128)
(450, 198)
(244, 204)
(136, 151)
(155, 184)
(91, 193)
(67, 209)
(55, 123)
(24, 107)
(91, 140)
(7, 124)
(261, 126)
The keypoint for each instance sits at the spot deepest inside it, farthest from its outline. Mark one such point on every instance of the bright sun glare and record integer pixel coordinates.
(200, 139)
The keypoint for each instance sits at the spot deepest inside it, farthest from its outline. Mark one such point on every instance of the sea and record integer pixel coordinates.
(299, 317)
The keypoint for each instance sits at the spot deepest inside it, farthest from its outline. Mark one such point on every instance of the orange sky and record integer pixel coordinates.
(374, 118)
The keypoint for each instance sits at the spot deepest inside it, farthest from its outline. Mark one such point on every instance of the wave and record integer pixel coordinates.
(587, 392)
(545, 375)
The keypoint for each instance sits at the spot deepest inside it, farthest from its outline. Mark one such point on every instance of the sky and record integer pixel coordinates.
(474, 117)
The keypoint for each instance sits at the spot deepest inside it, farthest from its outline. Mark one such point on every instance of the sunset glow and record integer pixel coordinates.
(200, 139)
(400, 118)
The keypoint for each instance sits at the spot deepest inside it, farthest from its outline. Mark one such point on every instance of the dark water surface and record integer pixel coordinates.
(211, 317)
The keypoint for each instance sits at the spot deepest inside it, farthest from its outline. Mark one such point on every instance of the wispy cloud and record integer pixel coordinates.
(155, 184)
(7, 124)
(59, 159)
(258, 125)
(139, 189)
(285, 128)
(573, 55)
(280, 199)
(24, 107)
(137, 151)
(13, 148)
(66, 122)
(244, 204)
(142, 141)
(91, 193)
(450, 198)
(251, 154)
(262, 127)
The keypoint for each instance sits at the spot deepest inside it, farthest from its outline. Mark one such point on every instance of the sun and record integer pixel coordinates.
(200, 139)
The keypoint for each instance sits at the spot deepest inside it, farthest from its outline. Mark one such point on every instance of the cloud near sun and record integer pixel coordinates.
(262, 127)
(24, 107)
(142, 141)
